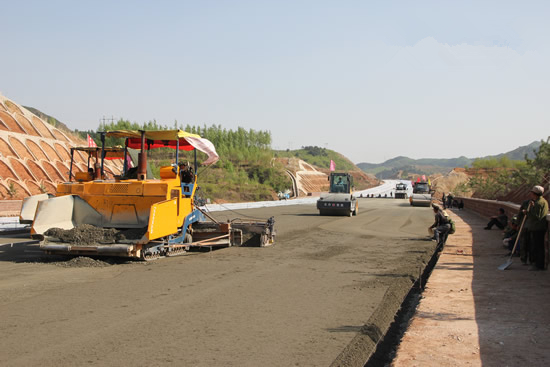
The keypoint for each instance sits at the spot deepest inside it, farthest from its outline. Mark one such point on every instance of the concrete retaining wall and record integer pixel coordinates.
(10, 208)
(488, 208)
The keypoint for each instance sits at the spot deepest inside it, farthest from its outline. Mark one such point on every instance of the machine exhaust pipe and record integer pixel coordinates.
(142, 160)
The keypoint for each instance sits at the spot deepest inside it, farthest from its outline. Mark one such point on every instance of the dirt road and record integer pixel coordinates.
(327, 286)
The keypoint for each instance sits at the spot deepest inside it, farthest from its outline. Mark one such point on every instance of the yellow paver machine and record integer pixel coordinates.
(133, 215)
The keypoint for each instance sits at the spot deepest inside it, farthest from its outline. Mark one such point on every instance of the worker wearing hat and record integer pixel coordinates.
(536, 227)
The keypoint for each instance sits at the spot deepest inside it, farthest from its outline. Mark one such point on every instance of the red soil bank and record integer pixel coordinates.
(50, 187)
(23, 121)
(50, 152)
(33, 187)
(42, 128)
(36, 150)
(52, 172)
(11, 123)
(21, 170)
(37, 171)
(6, 171)
(3, 192)
(63, 169)
(61, 136)
(6, 150)
(20, 193)
(62, 152)
(20, 148)
(3, 126)
(12, 107)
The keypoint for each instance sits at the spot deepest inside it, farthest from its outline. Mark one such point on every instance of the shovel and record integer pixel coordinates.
(509, 262)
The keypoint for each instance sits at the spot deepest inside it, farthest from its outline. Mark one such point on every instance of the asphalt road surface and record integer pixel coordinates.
(320, 294)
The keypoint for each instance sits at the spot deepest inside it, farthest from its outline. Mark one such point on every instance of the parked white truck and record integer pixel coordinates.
(401, 191)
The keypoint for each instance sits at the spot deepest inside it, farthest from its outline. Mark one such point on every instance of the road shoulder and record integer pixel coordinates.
(473, 314)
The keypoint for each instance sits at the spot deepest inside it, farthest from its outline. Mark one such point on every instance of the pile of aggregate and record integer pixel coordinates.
(82, 262)
(88, 235)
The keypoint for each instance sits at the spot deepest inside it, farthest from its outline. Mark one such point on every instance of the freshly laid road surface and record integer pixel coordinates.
(319, 295)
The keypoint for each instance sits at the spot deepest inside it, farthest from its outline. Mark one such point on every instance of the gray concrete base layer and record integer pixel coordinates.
(324, 293)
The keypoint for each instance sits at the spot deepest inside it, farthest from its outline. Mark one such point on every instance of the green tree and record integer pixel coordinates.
(503, 175)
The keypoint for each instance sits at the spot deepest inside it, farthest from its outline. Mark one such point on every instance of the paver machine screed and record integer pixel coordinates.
(134, 215)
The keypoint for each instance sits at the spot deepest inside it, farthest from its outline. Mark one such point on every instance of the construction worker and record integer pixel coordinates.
(536, 227)
(441, 225)
(340, 185)
(186, 173)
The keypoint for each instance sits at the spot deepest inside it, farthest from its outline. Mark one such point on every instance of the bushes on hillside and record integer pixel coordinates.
(498, 177)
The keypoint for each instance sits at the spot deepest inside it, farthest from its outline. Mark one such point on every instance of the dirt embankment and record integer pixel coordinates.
(444, 184)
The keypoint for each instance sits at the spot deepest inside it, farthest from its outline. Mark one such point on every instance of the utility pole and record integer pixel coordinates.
(104, 119)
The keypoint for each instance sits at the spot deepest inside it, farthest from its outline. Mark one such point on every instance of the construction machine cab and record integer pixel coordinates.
(95, 160)
(421, 188)
(401, 186)
(340, 183)
(339, 200)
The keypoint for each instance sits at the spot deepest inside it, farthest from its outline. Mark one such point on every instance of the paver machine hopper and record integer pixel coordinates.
(134, 215)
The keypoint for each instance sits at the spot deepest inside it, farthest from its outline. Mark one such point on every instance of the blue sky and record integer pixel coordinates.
(372, 80)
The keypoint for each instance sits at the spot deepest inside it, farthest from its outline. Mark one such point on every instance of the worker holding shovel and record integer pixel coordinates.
(536, 227)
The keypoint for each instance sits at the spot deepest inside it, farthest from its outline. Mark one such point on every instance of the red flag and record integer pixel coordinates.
(91, 142)
(332, 165)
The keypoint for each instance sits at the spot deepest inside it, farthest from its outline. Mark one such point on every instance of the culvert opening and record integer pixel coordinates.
(386, 349)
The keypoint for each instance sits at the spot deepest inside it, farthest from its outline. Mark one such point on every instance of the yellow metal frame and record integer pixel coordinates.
(133, 203)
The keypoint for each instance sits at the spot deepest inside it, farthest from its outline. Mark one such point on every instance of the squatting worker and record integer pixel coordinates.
(536, 226)
(441, 225)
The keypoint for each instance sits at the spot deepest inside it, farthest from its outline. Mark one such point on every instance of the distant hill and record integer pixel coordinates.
(319, 157)
(519, 153)
(401, 167)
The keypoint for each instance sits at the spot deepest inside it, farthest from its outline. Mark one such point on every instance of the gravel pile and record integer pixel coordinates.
(88, 235)
(82, 262)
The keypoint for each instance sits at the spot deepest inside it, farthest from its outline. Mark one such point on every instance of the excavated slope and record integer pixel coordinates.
(35, 156)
